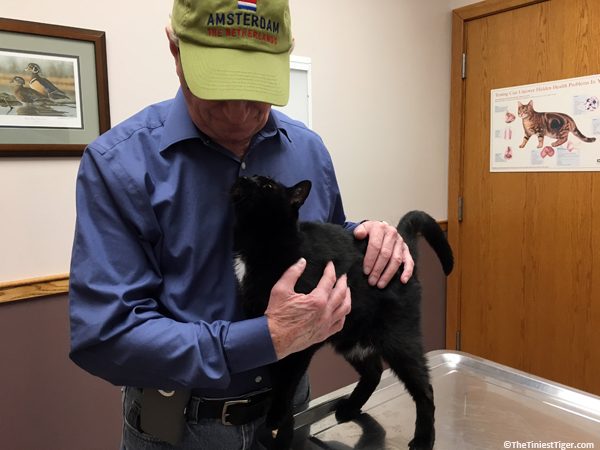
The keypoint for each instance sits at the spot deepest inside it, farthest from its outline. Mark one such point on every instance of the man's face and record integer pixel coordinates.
(227, 121)
(231, 123)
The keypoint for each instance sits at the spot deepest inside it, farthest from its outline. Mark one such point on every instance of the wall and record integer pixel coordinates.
(380, 101)
(46, 402)
(453, 4)
(41, 202)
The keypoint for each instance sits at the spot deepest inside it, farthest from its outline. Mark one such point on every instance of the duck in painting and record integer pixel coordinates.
(43, 85)
(8, 101)
(24, 93)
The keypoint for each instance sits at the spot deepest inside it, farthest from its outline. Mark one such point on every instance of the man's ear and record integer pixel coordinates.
(299, 192)
(175, 52)
(172, 46)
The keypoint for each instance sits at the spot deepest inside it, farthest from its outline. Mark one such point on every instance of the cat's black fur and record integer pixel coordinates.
(383, 324)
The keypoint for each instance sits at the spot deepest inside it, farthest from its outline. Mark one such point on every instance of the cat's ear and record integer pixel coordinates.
(520, 104)
(530, 103)
(299, 192)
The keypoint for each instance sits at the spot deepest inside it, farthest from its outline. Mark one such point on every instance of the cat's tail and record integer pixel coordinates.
(580, 135)
(419, 222)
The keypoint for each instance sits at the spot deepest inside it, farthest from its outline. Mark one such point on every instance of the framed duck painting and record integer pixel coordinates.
(53, 88)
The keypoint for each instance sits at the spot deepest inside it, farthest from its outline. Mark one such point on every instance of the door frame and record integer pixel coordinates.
(460, 17)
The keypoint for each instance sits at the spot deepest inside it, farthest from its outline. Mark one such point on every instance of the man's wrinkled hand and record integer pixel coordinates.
(297, 321)
(386, 252)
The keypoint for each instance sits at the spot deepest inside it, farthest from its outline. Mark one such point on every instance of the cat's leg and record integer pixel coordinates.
(525, 139)
(540, 140)
(285, 378)
(408, 363)
(284, 435)
(369, 368)
(562, 138)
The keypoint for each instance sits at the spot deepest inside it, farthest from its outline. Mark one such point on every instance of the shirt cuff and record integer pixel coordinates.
(350, 226)
(249, 345)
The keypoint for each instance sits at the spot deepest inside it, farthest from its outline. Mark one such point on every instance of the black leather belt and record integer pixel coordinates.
(231, 411)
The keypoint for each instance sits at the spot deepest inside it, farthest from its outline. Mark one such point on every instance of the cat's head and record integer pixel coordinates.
(525, 110)
(261, 198)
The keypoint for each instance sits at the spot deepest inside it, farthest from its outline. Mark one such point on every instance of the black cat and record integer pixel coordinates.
(383, 324)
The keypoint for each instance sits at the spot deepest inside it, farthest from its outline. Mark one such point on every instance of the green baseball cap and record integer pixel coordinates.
(234, 49)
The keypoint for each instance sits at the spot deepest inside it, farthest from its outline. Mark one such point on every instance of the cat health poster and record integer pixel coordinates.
(546, 127)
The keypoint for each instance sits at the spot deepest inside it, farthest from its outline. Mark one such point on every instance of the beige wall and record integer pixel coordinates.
(371, 136)
(380, 85)
(380, 99)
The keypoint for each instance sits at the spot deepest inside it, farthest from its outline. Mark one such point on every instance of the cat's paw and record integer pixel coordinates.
(282, 442)
(346, 411)
(278, 439)
(266, 438)
(422, 443)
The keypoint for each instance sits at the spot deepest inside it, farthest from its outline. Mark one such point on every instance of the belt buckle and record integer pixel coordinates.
(227, 404)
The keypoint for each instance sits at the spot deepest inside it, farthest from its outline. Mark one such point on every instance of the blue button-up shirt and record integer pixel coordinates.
(152, 286)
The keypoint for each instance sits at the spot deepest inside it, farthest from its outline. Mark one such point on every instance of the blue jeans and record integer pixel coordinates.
(203, 434)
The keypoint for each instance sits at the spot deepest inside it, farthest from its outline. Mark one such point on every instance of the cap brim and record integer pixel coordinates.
(215, 73)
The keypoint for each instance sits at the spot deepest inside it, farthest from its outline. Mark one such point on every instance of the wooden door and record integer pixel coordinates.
(526, 292)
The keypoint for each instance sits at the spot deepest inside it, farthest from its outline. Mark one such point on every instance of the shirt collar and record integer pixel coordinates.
(179, 126)
(272, 126)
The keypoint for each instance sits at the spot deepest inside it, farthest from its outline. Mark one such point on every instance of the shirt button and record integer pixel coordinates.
(243, 165)
(258, 379)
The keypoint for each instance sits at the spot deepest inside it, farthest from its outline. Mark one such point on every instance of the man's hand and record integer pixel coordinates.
(297, 321)
(386, 251)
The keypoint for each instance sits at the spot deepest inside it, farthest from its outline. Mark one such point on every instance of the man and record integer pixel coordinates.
(153, 290)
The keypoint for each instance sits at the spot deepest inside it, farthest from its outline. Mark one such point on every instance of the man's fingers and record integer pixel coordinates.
(389, 257)
(337, 326)
(338, 315)
(328, 279)
(343, 303)
(409, 264)
(338, 293)
(393, 264)
(290, 277)
(361, 232)
(376, 237)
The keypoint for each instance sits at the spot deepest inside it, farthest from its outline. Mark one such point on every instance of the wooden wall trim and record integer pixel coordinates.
(454, 179)
(11, 291)
(489, 7)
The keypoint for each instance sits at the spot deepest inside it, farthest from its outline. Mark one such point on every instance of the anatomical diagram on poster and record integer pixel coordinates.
(546, 127)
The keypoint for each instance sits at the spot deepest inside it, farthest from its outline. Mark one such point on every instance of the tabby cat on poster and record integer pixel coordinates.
(554, 124)
(383, 324)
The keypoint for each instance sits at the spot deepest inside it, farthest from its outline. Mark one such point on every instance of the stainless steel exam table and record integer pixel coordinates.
(479, 405)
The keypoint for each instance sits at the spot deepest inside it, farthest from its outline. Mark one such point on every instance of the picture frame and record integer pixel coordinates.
(53, 88)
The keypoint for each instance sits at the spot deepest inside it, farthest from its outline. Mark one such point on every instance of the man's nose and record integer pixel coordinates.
(236, 110)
